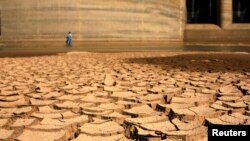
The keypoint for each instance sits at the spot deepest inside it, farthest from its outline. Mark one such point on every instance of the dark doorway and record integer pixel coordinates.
(241, 11)
(202, 11)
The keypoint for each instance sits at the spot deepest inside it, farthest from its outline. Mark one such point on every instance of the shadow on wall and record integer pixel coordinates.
(200, 62)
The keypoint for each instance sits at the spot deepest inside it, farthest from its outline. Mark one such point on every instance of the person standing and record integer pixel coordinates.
(69, 40)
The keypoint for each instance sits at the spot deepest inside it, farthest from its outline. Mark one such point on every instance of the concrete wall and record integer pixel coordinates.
(92, 20)
(225, 31)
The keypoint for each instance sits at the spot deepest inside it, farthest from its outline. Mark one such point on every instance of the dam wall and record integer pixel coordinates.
(126, 20)
(92, 20)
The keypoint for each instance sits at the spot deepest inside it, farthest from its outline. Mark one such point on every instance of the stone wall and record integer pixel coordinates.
(92, 20)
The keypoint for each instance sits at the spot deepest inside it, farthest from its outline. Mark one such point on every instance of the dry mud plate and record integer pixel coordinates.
(122, 96)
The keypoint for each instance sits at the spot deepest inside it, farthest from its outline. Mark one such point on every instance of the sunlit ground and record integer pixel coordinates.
(121, 91)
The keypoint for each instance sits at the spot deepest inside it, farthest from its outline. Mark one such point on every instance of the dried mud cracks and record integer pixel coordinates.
(103, 97)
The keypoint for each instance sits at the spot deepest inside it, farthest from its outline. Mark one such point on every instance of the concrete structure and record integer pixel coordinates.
(225, 30)
(114, 20)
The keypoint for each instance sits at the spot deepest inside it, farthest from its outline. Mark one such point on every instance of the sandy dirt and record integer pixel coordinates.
(122, 96)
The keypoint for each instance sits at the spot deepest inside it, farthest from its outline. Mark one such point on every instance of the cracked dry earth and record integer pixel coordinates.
(122, 96)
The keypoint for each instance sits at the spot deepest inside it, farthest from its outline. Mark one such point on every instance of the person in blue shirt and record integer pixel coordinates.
(69, 40)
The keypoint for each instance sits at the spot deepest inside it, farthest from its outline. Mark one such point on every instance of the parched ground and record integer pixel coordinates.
(122, 96)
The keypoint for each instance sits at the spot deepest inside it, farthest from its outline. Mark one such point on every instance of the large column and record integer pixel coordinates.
(183, 20)
(226, 13)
